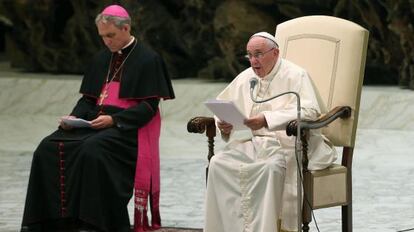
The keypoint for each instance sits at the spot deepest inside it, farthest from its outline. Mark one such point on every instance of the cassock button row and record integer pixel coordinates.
(140, 200)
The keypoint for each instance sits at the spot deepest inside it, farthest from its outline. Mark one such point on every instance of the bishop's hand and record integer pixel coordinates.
(64, 125)
(102, 121)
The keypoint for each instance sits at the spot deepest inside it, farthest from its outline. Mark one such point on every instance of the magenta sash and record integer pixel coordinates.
(147, 173)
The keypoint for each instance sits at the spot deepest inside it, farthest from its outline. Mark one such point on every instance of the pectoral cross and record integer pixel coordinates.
(102, 97)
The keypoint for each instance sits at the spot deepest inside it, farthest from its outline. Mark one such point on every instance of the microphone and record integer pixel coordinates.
(298, 146)
(253, 82)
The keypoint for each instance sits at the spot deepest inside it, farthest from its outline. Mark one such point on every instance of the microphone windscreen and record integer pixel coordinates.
(253, 82)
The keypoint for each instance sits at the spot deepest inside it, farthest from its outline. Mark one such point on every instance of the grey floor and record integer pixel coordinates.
(30, 105)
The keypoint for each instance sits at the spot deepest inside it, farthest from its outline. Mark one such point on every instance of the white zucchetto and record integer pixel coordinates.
(265, 35)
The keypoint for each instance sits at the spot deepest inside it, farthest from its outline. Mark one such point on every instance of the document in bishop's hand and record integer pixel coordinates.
(76, 122)
(227, 111)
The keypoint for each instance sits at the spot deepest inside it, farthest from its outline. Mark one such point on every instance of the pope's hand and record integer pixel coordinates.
(257, 122)
(102, 121)
(225, 128)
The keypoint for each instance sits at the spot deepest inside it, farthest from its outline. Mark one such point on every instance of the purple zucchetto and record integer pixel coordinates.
(115, 10)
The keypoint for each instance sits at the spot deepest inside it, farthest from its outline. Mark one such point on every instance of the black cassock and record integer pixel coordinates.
(88, 175)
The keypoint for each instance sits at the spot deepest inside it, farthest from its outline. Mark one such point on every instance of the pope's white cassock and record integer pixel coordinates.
(252, 182)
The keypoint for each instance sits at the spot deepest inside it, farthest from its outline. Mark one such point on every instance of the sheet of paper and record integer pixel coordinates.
(227, 111)
(76, 122)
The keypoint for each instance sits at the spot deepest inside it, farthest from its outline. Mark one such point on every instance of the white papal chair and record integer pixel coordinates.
(333, 51)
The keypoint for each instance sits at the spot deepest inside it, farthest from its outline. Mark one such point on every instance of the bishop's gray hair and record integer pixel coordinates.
(119, 22)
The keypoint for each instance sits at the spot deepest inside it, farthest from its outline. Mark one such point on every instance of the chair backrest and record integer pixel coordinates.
(333, 51)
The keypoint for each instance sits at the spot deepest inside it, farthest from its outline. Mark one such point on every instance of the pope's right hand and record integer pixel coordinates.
(225, 127)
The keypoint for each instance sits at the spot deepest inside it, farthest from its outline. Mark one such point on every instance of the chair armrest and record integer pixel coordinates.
(337, 112)
(201, 124)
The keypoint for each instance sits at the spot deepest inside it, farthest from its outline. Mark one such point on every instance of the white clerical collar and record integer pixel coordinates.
(129, 43)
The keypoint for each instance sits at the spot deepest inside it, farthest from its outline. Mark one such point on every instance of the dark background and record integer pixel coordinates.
(198, 38)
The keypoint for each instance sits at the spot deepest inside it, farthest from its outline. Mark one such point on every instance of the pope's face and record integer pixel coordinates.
(114, 38)
(262, 56)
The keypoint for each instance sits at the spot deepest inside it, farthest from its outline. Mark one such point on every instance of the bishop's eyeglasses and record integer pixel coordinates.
(257, 55)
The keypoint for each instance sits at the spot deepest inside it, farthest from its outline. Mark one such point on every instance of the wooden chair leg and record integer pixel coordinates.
(306, 216)
(206, 174)
(347, 218)
(347, 155)
(305, 227)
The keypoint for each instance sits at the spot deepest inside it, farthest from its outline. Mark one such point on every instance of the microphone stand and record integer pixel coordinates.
(298, 144)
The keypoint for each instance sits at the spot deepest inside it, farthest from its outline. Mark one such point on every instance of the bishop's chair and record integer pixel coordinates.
(333, 51)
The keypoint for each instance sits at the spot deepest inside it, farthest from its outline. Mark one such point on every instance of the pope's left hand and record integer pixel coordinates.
(256, 122)
(102, 121)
